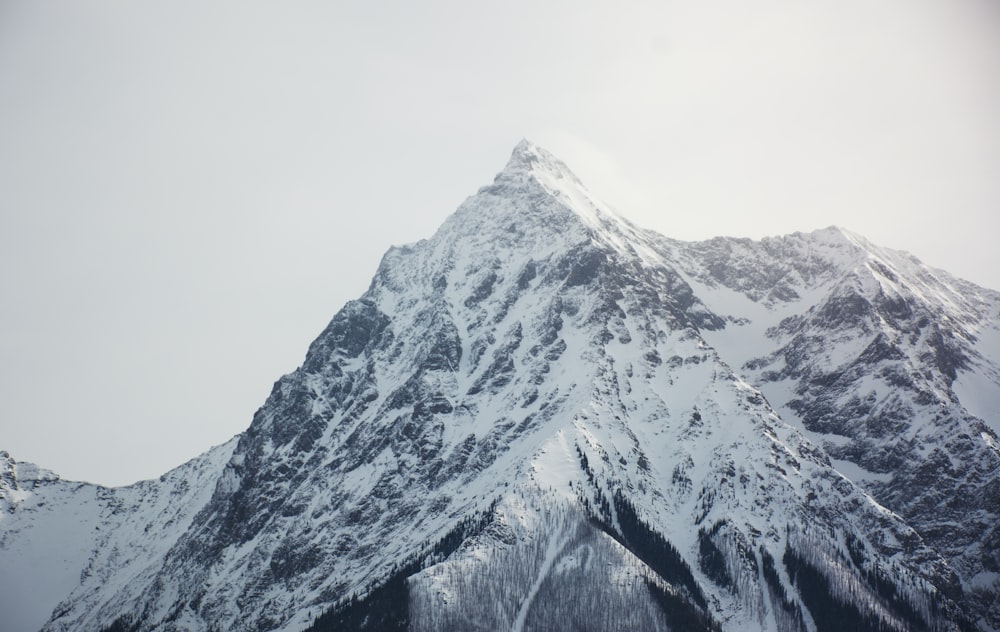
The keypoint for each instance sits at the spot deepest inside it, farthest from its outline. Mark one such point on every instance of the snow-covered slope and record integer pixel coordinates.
(46, 538)
(58, 536)
(890, 365)
(543, 400)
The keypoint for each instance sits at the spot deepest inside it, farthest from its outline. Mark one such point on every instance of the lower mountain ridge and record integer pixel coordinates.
(546, 418)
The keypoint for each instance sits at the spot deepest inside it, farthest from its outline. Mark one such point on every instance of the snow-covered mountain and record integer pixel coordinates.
(544, 417)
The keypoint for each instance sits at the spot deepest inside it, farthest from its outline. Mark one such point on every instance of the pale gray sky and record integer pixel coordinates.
(189, 190)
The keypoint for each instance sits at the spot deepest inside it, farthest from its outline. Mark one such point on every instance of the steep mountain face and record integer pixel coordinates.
(544, 417)
(891, 367)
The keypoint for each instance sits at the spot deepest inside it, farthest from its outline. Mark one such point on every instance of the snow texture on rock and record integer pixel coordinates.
(543, 399)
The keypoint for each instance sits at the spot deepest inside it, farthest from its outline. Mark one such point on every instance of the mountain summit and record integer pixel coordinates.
(546, 418)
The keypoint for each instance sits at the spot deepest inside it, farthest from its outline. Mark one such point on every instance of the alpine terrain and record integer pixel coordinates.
(547, 418)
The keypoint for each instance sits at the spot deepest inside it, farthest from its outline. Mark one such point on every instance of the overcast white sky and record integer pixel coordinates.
(189, 190)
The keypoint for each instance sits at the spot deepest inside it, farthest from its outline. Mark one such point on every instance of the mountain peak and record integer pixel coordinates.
(534, 205)
(543, 399)
(531, 159)
(856, 249)
(532, 167)
(839, 234)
